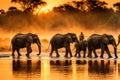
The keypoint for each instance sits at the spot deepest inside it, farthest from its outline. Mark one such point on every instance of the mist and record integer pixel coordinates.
(46, 25)
(67, 19)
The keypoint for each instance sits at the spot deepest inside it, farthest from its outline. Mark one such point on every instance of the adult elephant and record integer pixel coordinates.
(24, 41)
(62, 40)
(118, 39)
(97, 41)
(81, 46)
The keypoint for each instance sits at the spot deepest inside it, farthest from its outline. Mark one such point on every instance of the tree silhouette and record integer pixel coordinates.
(12, 8)
(29, 4)
(96, 5)
(79, 5)
(71, 7)
(13, 11)
(2, 12)
(117, 5)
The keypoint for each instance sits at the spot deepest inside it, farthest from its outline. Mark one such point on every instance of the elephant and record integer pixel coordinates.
(81, 46)
(96, 41)
(24, 41)
(62, 40)
(118, 39)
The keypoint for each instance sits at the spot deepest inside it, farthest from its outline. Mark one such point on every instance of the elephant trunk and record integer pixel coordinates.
(39, 47)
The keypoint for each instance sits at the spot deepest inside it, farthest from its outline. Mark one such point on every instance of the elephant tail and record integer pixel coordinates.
(48, 47)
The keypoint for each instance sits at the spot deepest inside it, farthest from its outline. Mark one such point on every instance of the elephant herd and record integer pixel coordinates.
(95, 41)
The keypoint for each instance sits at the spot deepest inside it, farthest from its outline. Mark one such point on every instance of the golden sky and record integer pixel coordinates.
(5, 4)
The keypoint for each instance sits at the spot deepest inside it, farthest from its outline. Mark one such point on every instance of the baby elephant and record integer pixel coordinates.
(81, 46)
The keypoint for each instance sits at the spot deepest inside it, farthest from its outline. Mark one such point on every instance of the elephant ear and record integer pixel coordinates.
(105, 40)
(30, 38)
(69, 39)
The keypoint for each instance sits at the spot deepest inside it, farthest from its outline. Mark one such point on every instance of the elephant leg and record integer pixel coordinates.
(13, 50)
(18, 52)
(29, 50)
(66, 53)
(75, 54)
(108, 52)
(51, 52)
(69, 51)
(102, 52)
(79, 54)
(57, 54)
(84, 51)
(89, 53)
(67, 47)
(95, 53)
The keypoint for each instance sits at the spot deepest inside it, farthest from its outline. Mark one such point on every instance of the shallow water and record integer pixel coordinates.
(46, 68)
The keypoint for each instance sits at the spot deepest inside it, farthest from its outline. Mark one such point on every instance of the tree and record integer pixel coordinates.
(2, 12)
(67, 7)
(79, 5)
(96, 4)
(29, 4)
(12, 11)
(12, 8)
(117, 6)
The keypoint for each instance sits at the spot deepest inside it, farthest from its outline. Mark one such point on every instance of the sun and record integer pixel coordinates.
(45, 9)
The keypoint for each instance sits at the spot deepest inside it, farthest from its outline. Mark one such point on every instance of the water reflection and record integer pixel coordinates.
(97, 67)
(61, 62)
(101, 66)
(62, 69)
(26, 68)
(81, 62)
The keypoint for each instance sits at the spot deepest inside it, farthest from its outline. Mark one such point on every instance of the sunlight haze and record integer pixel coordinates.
(5, 4)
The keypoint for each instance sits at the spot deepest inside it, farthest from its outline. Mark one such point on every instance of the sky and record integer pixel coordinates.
(5, 4)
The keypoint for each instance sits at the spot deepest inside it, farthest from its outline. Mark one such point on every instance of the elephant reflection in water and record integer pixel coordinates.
(99, 66)
(61, 63)
(67, 62)
(20, 66)
(63, 66)
(81, 62)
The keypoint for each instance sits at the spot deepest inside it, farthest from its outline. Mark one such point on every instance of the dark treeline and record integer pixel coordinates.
(92, 13)
(14, 18)
(88, 13)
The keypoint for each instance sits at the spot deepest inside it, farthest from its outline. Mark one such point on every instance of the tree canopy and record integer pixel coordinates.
(86, 12)
(29, 4)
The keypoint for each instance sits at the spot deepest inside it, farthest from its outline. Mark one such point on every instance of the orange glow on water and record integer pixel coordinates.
(59, 69)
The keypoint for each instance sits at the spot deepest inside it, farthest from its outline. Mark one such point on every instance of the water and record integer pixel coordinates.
(46, 68)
